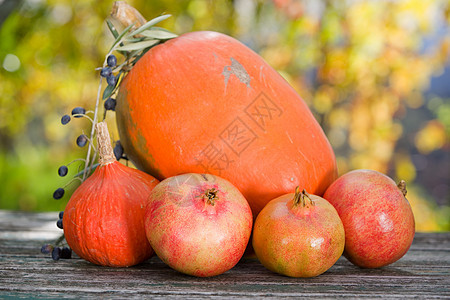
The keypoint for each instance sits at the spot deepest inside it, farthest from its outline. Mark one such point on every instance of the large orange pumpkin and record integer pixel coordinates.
(205, 103)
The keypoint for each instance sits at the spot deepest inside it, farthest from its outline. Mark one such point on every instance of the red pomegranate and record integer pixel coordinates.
(298, 235)
(378, 220)
(198, 224)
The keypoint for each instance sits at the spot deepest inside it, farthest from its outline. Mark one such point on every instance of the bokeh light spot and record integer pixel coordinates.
(11, 63)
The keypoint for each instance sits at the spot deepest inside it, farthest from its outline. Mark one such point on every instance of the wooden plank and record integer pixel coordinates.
(423, 272)
(28, 226)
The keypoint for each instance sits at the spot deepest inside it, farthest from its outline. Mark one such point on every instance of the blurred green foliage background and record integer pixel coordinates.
(372, 72)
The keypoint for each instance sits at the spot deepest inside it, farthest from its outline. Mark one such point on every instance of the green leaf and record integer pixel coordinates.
(112, 29)
(138, 46)
(159, 28)
(158, 34)
(131, 39)
(150, 24)
(133, 53)
(108, 92)
(119, 38)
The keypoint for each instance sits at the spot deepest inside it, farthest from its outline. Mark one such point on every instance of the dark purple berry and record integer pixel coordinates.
(56, 253)
(78, 111)
(61, 215)
(62, 171)
(118, 150)
(110, 104)
(111, 60)
(46, 249)
(59, 224)
(111, 80)
(58, 194)
(82, 140)
(66, 253)
(65, 119)
(105, 72)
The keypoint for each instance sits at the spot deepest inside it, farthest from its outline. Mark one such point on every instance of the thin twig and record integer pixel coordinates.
(86, 171)
(75, 160)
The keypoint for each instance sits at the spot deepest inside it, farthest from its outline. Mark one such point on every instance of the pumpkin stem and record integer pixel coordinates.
(402, 186)
(210, 196)
(126, 15)
(106, 153)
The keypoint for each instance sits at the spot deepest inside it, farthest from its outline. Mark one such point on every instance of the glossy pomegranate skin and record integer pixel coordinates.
(296, 240)
(205, 103)
(378, 220)
(195, 237)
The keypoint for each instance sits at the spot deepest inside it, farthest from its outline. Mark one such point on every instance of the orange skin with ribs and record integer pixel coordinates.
(104, 219)
(205, 103)
(198, 224)
(298, 238)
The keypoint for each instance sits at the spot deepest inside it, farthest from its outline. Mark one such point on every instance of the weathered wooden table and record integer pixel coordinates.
(424, 272)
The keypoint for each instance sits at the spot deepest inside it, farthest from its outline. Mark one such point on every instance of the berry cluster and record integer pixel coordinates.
(59, 223)
(82, 140)
(111, 79)
(107, 72)
(57, 252)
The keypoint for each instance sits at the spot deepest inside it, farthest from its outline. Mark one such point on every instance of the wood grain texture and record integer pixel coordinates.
(424, 272)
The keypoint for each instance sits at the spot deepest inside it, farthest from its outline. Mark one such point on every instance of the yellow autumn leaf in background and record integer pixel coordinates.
(431, 137)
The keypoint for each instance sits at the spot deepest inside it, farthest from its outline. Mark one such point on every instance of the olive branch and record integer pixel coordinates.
(132, 43)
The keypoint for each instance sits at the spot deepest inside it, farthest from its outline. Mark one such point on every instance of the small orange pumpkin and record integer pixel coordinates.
(104, 219)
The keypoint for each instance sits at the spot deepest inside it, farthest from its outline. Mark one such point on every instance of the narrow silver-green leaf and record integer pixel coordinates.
(150, 24)
(112, 28)
(138, 46)
(108, 92)
(159, 28)
(131, 39)
(119, 38)
(158, 34)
